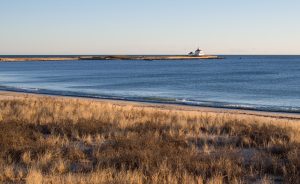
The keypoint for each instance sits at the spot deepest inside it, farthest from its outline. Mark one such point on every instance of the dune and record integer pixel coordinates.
(50, 139)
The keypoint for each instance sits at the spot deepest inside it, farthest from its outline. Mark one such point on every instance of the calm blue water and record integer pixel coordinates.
(269, 83)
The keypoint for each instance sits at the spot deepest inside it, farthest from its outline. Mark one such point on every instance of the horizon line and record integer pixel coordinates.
(145, 54)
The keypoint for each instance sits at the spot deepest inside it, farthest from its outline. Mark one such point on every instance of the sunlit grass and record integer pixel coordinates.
(60, 140)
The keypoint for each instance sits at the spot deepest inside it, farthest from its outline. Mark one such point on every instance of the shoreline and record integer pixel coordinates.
(145, 101)
(108, 57)
(162, 106)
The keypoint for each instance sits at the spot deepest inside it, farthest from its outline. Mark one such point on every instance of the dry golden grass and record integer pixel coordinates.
(60, 140)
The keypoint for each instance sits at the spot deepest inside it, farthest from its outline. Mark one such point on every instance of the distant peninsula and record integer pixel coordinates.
(108, 57)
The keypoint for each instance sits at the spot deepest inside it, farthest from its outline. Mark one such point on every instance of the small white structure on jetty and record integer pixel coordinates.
(197, 52)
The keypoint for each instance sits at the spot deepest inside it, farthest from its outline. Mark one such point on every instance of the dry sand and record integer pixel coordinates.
(241, 113)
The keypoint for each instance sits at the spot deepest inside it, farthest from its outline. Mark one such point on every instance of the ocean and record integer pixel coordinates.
(264, 83)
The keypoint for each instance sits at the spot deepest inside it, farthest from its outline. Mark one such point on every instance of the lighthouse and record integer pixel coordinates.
(199, 52)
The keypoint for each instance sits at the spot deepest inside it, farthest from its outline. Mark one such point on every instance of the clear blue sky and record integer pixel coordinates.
(149, 26)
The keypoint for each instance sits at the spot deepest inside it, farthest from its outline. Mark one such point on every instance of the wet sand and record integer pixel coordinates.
(243, 114)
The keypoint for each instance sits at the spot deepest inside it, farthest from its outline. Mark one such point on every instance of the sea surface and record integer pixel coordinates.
(266, 83)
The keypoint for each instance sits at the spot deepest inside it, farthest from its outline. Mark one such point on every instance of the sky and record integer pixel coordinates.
(59, 27)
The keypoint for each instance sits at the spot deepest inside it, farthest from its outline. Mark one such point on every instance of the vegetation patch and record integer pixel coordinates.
(60, 140)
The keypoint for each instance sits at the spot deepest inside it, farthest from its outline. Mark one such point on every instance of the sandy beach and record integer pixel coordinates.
(245, 113)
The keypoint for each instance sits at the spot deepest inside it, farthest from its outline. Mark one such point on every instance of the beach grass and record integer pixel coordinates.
(68, 140)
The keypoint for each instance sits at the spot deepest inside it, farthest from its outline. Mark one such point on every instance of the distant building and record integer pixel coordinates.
(198, 52)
